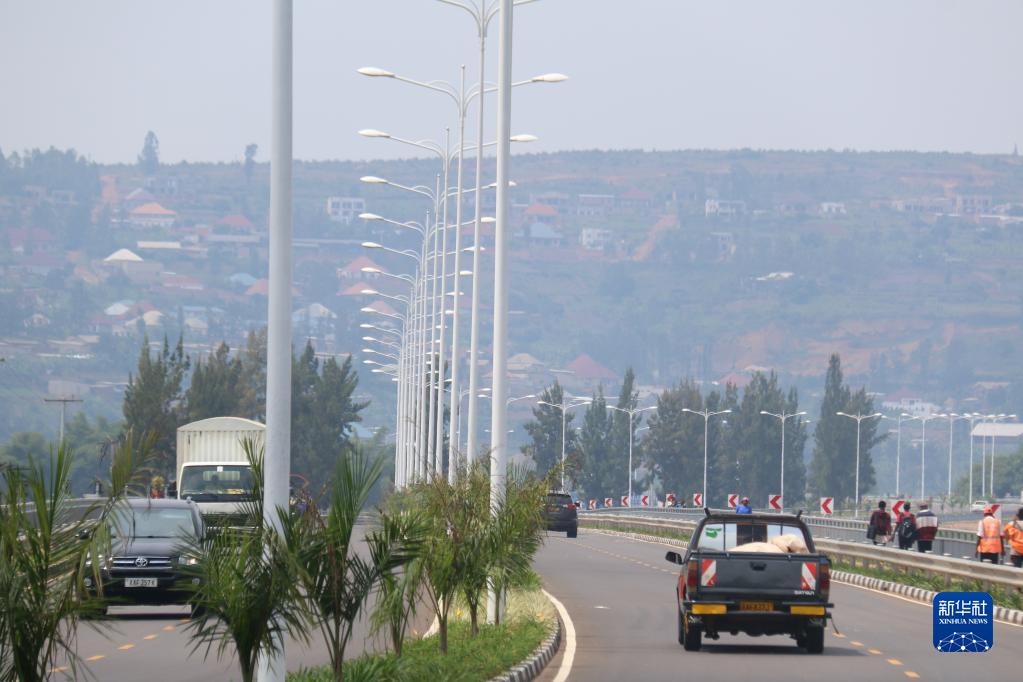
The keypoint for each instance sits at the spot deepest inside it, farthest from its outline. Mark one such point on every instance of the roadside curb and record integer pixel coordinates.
(1014, 616)
(530, 668)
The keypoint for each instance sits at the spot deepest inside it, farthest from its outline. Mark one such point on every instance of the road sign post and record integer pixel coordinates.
(697, 499)
(609, 502)
(774, 501)
(826, 505)
(626, 501)
(733, 500)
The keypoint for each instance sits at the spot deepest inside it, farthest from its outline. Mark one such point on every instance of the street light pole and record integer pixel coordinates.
(277, 466)
(859, 419)
(952, 417)
(564, 409)
(706, 414)
(632, 415)
(783, 417)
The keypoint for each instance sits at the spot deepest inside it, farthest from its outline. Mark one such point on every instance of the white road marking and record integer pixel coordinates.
(601, 606)
(569, 657)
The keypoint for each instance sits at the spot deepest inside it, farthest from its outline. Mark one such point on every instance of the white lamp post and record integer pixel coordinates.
(952, 417)
(632, 415)
(564, 407)
(782, 417)
(858, 419)
(706, 414)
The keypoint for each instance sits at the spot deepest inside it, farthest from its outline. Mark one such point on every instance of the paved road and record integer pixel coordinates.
(152, 644)
(620, 595)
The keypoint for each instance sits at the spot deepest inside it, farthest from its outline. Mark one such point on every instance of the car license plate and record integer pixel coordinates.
(140, 582)
(756, 606)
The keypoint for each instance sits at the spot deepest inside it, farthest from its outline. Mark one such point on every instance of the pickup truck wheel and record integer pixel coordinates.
(681, 628)
(196, 611)
(573, 533)
(814, 640)
(692, 635)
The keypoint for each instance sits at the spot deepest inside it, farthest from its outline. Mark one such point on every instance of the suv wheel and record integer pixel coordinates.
(573, 532)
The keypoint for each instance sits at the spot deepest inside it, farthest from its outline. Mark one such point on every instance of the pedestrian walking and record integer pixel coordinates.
(926, 528)
(879, 528)
(743, 507)
(1013, 532)
(989, 537)
(905, 529)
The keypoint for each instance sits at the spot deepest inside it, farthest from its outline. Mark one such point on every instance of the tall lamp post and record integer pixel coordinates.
(782, 417)
(952, 417)
(924, 418)
(632, 415)
(706, 414)
(859, 419)
(904, 417)
(564, 407)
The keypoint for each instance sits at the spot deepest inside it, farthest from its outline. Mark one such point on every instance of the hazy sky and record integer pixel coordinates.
(652, 74)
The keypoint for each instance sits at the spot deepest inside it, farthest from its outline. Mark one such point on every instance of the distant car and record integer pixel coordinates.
(978, 506)
(147, 562)
(561, 514)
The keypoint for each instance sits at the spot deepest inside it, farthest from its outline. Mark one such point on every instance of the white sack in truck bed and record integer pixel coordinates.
(780, 544)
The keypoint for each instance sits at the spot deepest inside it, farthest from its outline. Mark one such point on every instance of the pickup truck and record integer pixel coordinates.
(780, 589)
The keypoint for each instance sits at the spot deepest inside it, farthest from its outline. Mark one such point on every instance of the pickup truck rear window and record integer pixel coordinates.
(723, 537)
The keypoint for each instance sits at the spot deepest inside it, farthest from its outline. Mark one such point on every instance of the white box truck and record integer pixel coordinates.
(212, 467)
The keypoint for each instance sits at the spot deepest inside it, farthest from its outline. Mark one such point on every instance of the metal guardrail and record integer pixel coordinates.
(949, 541)
(863, 555)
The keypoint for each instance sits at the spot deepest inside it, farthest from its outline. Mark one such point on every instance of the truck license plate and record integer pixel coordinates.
(756, 606)
(140, 582)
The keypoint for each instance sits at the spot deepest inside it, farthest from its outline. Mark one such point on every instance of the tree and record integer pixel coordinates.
(673, 446)
(546, 432)
(603, 467)
(252, 400)
(250, 161)
(216, 389)
(832, 468)
(323, 411)
(149, 157)
(24, 447)
(152, 399)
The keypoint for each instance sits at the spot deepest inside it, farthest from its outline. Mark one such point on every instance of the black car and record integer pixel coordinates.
(561, 515)
(148, 562)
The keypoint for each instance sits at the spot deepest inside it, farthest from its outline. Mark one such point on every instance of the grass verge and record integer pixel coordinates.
(469, 659)
(639, 530)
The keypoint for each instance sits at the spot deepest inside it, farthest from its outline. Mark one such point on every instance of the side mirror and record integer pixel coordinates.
(674, 558)
(84, 534)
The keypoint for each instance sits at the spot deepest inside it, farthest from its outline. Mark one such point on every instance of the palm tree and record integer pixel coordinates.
(336, 578)
(46, 550)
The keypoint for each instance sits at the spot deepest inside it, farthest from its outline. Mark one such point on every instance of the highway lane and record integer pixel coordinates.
(620, 594)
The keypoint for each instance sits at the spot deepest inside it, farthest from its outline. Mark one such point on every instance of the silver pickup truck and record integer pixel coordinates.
(765, 592)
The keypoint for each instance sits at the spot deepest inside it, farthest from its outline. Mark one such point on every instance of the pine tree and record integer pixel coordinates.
(545, 431)
(827, 467)
(603, 465)
(152, 399)
(149, 157)
(216, 389)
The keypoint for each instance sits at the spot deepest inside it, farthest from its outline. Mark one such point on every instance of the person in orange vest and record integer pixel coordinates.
(1013, 532)
(989, 537)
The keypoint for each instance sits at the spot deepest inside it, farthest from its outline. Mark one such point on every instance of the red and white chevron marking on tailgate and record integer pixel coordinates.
(809, 576)
(708, 573)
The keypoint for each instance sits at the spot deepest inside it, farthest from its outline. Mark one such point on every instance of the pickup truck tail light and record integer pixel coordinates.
(825, 581)
(692, 574)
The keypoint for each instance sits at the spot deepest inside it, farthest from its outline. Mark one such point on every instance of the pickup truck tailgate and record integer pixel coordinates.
(738, 575)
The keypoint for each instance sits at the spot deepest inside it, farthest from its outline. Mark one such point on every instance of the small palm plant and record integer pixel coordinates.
(248, 593)
(47, 547)
(336, 578)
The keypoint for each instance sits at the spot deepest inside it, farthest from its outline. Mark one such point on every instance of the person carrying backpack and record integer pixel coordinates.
(926, 528)
(879, 529)
(905, 531)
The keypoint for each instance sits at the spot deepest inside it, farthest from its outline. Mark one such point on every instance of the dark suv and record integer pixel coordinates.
(561, 515)
(148, 563)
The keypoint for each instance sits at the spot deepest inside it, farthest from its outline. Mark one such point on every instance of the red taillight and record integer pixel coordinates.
(692, 575)
(571, 505)
(825, 579)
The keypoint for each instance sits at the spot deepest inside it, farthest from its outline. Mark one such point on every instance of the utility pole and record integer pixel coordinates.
(63, 409)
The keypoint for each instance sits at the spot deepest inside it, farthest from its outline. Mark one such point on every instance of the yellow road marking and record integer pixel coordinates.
(169, 628)
(90, 659)
(855, 643)
(61, 669)
(126, 647)
(876, 652)
(839, 635)
(894, 661)
(910, 673)
(150, 637)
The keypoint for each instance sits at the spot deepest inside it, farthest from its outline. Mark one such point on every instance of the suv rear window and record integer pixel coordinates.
(559, 498)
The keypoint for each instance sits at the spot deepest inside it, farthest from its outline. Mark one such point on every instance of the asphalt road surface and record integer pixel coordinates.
(620, 594)
(152, 644)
